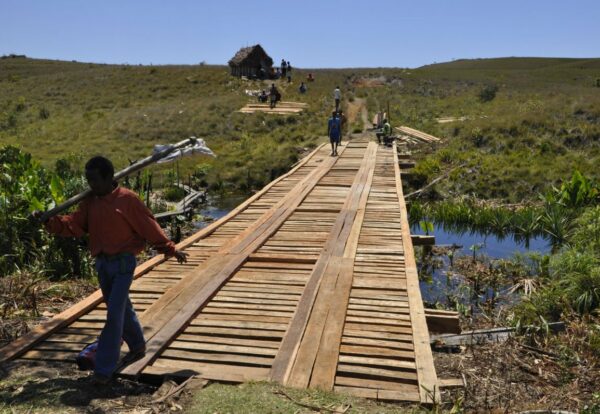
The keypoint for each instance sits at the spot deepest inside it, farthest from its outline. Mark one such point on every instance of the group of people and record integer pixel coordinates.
(384, 133)
(336, 123)
(286, 70)
(273, 96)
(383, 129)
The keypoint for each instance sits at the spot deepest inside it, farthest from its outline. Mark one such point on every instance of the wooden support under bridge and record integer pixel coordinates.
(311, 282)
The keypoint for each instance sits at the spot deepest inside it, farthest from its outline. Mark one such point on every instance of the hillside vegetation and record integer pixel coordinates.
(55, 109)
(545, 113)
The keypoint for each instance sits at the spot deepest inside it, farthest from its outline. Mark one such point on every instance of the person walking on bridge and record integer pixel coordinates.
(119, 225)
(334, 131)
(337, 96)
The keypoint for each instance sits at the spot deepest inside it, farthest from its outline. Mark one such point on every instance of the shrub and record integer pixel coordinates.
(44, 113)
(26, 186)
(173, 194)
(587, 233)
(488, 93)
(20, 106)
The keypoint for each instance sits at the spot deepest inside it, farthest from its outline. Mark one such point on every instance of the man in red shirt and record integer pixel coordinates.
(119, 225)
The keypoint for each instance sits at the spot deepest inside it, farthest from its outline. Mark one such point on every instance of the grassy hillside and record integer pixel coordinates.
(543, 122)
(54, 109)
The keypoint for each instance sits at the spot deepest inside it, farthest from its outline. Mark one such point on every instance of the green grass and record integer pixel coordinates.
(269, 398)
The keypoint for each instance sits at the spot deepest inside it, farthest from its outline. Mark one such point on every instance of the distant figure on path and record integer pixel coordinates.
(283, 68)
(384, 134)
(118, 225)
(334, 130)
(310, 77)
(289, 66)
(302, 88)
(273, 95)
(337, 95)
(263, 96)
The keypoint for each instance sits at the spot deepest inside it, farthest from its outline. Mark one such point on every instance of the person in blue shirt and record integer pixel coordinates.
(334, 131)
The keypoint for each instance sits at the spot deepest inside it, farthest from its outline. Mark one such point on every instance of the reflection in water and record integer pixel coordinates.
(219, 205)
(441, 284)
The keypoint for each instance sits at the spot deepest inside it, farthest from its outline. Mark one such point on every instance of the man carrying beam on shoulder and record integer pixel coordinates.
(119, 225)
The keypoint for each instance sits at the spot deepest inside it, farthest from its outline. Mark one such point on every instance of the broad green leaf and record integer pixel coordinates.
(57, 189)
(35, 204)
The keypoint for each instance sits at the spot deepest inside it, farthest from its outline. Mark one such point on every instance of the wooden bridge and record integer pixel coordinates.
(311, 283)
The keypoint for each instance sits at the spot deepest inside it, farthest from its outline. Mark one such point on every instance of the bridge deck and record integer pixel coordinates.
(311, 282)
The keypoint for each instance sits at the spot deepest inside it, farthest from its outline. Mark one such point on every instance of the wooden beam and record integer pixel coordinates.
(418, 134)
(426, 375)
(449, 383)
(442, 322)
(422, 240)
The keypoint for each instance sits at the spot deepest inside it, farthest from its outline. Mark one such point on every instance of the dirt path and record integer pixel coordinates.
(358, 108)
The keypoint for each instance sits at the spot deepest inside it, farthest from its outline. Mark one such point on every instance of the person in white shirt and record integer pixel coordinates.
(337, 95)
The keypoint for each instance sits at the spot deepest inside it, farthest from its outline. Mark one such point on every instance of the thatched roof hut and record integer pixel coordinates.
(249, 60)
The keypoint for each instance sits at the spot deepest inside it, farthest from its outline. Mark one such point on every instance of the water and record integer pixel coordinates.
(442, 280)
(493, 246)
(218, 206)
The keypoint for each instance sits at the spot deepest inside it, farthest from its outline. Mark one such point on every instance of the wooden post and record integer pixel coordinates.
(389, 118)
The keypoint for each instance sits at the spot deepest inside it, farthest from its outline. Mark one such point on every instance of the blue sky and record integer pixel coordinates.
(309, 33)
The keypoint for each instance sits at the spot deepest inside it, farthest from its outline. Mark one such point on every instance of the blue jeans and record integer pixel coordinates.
(115, 275)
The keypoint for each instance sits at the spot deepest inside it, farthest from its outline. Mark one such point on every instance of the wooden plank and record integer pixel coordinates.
(382, 362)
(211, 371)
(376, 384)
(397, 375)
(423, 356)
(376, 351)
(449, 383)
(388, 395)
(418, 134)
(357, 392)
(254, 343)
(210, 357)
(442, 322)
(422, 240)
(286, 258)
(236, 332)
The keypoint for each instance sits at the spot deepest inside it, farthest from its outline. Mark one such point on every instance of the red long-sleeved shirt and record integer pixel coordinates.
(117, 223)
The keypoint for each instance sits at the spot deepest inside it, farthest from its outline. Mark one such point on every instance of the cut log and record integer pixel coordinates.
(407, 164)
(422, 240)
